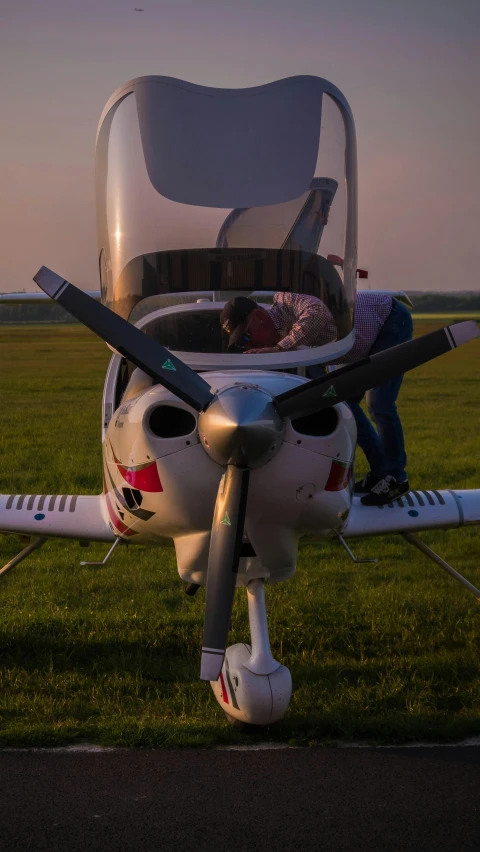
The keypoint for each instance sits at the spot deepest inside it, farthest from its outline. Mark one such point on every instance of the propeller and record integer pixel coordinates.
(354, 379)
(157, 361)
(223, 559)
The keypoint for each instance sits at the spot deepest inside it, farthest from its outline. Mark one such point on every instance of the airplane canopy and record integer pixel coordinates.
(227, 191)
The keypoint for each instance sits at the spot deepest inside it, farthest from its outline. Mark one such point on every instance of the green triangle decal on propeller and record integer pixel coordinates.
(168, 365)
(330, 392)
(226, 520)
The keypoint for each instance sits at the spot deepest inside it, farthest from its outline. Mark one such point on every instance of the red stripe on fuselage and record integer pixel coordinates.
(142, 477)
(339, 476)
(224, 689)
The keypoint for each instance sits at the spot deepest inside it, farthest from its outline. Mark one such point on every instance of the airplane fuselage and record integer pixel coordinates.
(161, 483)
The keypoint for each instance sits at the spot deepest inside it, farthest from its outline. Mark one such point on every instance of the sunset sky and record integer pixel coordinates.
(410, 70)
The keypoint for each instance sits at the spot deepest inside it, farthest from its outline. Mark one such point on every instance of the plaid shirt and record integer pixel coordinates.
(306, 321)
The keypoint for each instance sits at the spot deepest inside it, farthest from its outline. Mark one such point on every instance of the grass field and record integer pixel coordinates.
(386, 652)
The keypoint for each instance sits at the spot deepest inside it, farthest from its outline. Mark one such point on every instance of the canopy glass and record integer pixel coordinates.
(221, 192)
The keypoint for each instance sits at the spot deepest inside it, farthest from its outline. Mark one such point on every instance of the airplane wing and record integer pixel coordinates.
(56, 516)
(415, 511)
(412, 513)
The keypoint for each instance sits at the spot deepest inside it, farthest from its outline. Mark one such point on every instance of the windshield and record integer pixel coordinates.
(227, 192)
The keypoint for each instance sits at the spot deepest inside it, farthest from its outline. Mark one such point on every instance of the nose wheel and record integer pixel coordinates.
(253, 688)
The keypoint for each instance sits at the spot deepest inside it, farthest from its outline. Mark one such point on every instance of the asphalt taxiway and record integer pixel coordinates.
(330, 799)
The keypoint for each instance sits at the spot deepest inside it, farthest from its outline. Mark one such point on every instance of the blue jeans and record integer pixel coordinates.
(384, 446)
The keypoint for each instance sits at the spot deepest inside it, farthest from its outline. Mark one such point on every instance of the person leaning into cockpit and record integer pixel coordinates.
(381, 321)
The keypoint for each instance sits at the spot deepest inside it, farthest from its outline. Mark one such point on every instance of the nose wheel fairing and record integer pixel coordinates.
(248, 697)
(253, 687)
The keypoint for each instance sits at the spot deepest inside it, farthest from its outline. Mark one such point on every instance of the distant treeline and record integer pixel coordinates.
(444, 302)
(422, 302)
(34, 313)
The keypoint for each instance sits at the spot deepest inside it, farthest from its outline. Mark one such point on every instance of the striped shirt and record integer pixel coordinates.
(306, 321)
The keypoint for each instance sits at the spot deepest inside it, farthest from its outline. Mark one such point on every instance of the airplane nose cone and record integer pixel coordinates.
(241, 426)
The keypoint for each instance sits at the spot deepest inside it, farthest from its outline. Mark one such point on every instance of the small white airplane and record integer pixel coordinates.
(204, 194)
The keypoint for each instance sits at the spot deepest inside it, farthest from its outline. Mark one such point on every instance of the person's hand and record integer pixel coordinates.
(264, 351)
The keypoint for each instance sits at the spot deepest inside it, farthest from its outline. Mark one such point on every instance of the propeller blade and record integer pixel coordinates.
(144, 352)
(225, 546)
(354, 379)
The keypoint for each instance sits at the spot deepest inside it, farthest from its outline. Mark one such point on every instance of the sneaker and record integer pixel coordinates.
(363, 486)
(385, 491)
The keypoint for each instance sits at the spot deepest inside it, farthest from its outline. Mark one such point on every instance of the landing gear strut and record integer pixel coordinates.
(412, 538)
(33, 545)
(253, 687)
